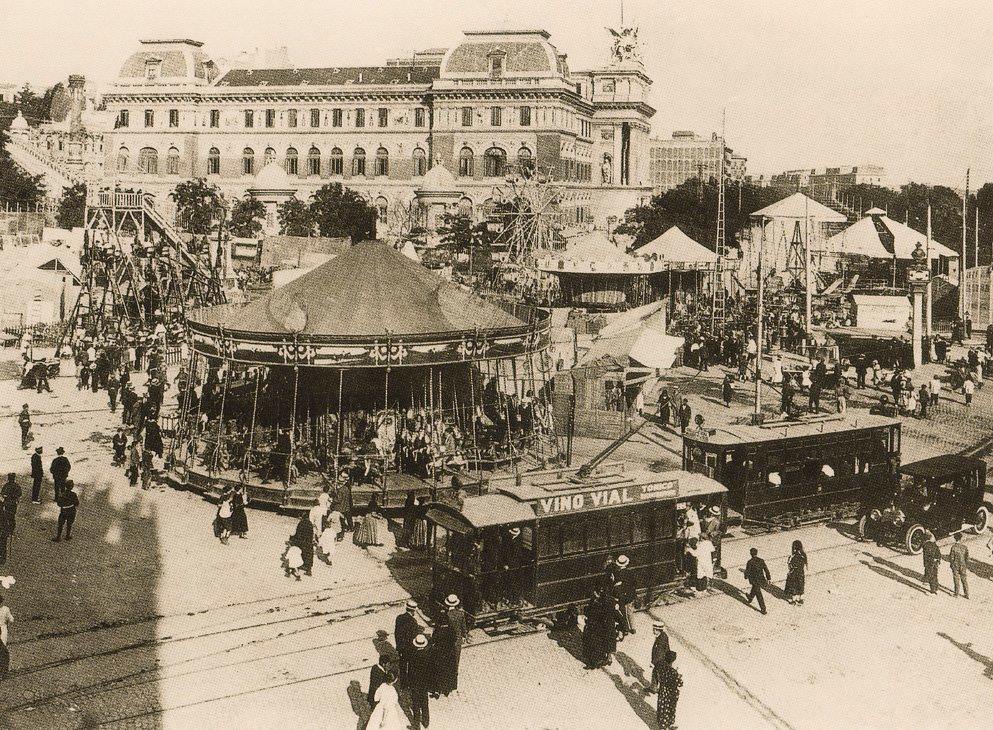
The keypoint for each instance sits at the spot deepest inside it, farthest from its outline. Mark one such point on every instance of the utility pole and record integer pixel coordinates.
(721, 246)
(807, 278)
(757, 412)
(928, 302)
(965, 233)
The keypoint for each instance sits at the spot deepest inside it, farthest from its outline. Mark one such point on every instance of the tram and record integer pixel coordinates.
(788, 472)
(540, 541)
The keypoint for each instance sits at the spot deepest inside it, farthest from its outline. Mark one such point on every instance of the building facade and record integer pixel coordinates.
(827, 181)
(686, 155)
(495, 103)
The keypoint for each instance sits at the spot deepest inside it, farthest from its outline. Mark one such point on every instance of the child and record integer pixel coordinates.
(293, 560)
(727, 391)
(968, 388)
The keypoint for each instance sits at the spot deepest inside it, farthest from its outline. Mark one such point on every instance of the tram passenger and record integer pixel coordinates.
(513, 559)
(625, 590)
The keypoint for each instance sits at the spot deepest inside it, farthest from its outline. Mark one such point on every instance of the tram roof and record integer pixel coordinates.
(781, 431)
(371, 289)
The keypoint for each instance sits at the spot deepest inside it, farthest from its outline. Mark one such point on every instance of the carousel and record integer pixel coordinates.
(370, 373)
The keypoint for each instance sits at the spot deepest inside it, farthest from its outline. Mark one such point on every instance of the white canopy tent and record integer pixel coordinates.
(677, 248)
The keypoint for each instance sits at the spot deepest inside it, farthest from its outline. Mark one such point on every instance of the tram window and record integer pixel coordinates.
(527, 538)
(642, 526)
(596, 534)
(548, 545)
(441, 546)
(665, 521)
(620, 529)
(573, 538)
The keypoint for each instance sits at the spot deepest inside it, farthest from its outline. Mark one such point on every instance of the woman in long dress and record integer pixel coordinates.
(387, 714)
(239, 519)
(419, 539)
(669, 681)
(368, 532)
(796, 576)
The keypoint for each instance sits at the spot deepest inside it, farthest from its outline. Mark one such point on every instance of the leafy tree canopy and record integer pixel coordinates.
(198, 204)
(295, 218)
(339, 211)
(72, 207)
(247, 215)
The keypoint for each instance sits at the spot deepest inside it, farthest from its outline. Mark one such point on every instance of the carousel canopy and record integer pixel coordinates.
(800, 207)
(676, 247)
(592, 253)
(880, 237)
(369, 290)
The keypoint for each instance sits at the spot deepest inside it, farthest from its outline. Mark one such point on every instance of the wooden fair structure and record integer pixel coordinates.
(138, 271)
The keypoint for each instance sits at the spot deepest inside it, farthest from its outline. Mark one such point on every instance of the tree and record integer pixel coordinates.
(295, 218)
(339, 211)
(247, 215)
(72, 207)
(197, 205)
(462, 236)
(16, 186)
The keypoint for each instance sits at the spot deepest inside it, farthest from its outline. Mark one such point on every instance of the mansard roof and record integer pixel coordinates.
(332, 76)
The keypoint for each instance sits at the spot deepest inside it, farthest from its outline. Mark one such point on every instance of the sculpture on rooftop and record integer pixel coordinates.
(625, 46)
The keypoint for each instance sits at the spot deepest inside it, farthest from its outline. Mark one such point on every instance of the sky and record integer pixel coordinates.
(907, 84)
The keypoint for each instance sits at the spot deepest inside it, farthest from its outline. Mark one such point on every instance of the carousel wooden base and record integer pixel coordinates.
(301, 494)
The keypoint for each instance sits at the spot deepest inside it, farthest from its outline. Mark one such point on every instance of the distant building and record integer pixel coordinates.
(827, 181)
(685, 156)
(7, 92)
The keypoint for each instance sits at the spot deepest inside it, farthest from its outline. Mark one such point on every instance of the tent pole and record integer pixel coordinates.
(220, 425)
(251, 429)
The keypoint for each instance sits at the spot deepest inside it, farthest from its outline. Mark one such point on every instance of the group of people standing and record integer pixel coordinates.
(609, 613)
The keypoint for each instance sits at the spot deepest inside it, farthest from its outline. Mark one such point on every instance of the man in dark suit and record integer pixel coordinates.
(405, 630)
(660, 650)
(60, 470)
(932, 559)
(377, 676)
(37, 475)
(757, 573)
(420, 678)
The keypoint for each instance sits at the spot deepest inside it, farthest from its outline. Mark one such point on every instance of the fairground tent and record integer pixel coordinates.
(591, 252)
(636, 340)
(800, 207)
(676, 247)
(878, 236)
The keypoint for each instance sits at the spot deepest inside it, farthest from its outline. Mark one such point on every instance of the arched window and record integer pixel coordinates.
(123, 157)
(172, 162)
(214, 161)
(148, 161)
(524, 160)
(314, 161)
(382, 161)
(336, 162)
(420, 162)
(465, 206)
(292, 161)
(358, 161)
(382, 207)
(494, 162)
(268, 156)
(465, 163)
(248, 161)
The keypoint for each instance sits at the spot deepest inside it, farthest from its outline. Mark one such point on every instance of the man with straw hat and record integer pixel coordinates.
(421, 680)
(405, 630)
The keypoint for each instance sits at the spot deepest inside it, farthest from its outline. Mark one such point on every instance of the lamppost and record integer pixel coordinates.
(918, 277)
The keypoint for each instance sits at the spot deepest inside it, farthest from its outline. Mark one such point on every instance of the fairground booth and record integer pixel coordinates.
(369, 371)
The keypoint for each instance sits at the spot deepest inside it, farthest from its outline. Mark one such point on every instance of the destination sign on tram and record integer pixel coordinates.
(605, 497)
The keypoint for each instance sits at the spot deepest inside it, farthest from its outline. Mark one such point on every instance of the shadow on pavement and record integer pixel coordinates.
(966, 648)
(893, 575)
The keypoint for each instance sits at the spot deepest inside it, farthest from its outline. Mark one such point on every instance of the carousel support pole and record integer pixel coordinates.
(293, 421)
(472, 413)
(251, 429)
(338, 436)
(506, 411)
(185, 411)
(430, 423)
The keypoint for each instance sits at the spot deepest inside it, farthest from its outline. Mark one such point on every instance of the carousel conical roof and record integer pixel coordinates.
(369, 290)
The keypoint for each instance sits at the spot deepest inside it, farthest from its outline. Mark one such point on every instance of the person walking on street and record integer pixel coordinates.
(120, 445)
(387, 714)
(669, 682)
(24, 421)
(660, 651)
(932, 559)
(757, 573)
(404, 630)
(625, 590)
(113, 386)
(968, 389)
(420, 678)
(68, 502)
(377, 676)
(685, 416)
(37, 475)
(727, 390)
(958, 558)
(6, 621)
(59, 470)
(446, 649)
(796, 577)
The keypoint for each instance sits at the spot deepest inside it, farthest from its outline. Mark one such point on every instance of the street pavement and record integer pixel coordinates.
(145, 620)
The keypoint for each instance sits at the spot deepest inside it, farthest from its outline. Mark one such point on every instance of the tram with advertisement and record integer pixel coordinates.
(539, 542)
(789, 472)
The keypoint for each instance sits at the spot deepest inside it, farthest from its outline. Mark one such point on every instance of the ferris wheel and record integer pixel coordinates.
(526, 214)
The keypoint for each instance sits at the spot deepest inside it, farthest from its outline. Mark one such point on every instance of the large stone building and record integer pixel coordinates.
(828, 181)
(685, 156)
(496, 101)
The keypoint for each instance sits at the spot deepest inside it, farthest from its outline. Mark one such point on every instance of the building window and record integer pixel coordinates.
(268, 156)
(174, 118)
(358, 161)
(292, 161)
(149, 118)
(496, 116)
(382, 207)
(148, 161)
(525, 116)
(123, 157)
(496, 65)
(336, 116)
(214, 161)
(524, 160)
(384, 117)
(248, 161)
(123, 118)
(467, 116)
(270, 118)
(249, 118)
(336, 162)
(360, 117)
(315, 117)
(152, 70)
(465, 162)
(291, 118)
(172, 162)
(382, 161)
(314, 161)
(494, 162)
(215, 118)
(419, 117)
(420, 162)
(465, 206)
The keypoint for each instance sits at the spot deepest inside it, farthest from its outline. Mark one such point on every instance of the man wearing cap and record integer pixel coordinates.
(660, 650)
(37, 474)
(68, 502)
(377, 676)
(420, 679)
(60, 470)
(405, 629)
(24, 420)
(625, 590)
(512, 555)
(932, 559)
(757, 573)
